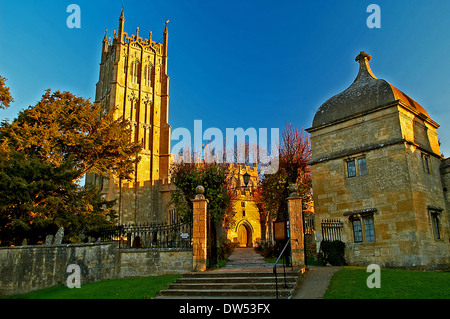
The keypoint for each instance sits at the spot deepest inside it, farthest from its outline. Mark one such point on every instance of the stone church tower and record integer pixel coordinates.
(133, 80)
(378, 171)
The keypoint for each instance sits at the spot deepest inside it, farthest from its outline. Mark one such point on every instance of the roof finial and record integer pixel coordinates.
(122, 17)
(363, 55)
(364, 69)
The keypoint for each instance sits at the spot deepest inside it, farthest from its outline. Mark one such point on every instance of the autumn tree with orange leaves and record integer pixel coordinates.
(294, 155)
(44, 152)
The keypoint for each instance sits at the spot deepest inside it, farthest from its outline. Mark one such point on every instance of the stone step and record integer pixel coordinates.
(230, 286)
(222, 272)
(225, 279)
(237, 283)
(236, 265)
(246, 275)
(251, 261)
(282, 293)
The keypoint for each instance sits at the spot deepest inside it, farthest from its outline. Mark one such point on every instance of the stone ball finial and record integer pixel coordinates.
(199, 190)
(293, 190)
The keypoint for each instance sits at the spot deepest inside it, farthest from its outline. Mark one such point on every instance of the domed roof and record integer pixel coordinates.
(367, 93)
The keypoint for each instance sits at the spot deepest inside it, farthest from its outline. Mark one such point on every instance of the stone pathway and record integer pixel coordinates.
(245, 258)
(316, 282)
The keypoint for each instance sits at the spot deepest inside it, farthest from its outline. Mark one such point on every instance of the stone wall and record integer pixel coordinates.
(362, 134)
(27, 268)
(445, 176)
(154, 262)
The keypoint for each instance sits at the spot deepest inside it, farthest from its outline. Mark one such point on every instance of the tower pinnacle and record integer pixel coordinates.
(121, 25)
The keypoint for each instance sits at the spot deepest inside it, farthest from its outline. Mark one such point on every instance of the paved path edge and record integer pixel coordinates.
(315, 282)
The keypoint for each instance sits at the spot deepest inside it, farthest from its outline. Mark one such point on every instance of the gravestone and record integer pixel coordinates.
(48, 240)
(59, 236)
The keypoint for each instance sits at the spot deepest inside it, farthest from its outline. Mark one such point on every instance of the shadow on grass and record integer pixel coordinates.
(127, 288)
(350, 283)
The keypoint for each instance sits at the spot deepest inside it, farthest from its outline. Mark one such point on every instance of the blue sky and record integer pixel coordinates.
(246, 63)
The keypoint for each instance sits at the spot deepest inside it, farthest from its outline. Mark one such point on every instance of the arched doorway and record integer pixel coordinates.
(245, 235)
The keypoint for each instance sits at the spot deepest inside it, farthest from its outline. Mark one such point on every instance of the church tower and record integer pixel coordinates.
(133, 80)
(247, 229)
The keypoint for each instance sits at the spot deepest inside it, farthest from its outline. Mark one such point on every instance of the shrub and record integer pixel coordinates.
(332, 252)
(310, 245)
(270, 250)
(224, 248)
(264, 249)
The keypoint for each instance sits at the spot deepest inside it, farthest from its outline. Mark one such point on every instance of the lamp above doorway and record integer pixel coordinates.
(246, 178)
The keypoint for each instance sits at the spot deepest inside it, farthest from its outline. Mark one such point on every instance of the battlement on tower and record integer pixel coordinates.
(253, 167)
(134, 40)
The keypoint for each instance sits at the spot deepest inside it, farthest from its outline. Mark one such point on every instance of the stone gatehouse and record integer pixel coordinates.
(377, 167)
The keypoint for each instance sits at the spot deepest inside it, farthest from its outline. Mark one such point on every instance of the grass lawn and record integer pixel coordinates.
(128, 288)
(350, 283)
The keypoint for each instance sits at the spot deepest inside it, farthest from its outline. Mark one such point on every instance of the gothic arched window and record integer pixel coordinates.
(135, 71)
(147, 75)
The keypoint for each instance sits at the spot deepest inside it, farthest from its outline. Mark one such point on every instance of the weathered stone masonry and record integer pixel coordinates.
(27, 268)
(376, 166)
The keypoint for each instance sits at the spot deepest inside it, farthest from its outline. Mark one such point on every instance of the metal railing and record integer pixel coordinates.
(286, 260)
(149, 235)
(309, 224)
(331, 229)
